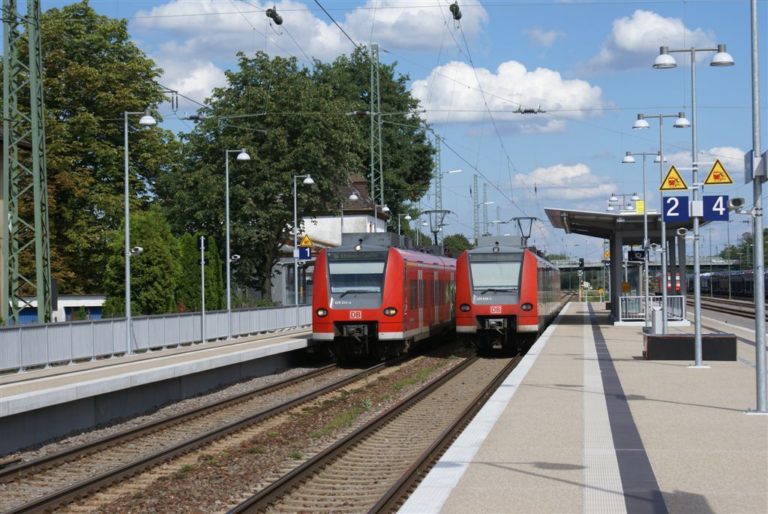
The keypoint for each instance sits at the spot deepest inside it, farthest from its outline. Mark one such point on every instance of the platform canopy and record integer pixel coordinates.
(604, 225)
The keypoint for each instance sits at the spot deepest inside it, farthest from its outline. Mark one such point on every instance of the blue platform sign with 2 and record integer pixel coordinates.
(676, 208)
(716, 208)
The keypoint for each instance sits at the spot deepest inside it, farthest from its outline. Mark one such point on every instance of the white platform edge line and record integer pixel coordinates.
(430, 496)
(603, 491)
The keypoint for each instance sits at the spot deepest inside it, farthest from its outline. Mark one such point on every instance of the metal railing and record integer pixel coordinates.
(25, 346)
(633, 308)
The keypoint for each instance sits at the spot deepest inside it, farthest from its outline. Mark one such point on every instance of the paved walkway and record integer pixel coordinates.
(585, 424)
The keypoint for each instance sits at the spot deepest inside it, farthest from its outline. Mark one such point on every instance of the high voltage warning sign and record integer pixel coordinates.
(306, 242)
(673, 181)
(718, 175)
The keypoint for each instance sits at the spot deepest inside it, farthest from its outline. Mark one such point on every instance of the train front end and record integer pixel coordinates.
(496, 295)
(357, 302)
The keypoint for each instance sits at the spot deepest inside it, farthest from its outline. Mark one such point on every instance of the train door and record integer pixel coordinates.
(436, 297)
(421, 300)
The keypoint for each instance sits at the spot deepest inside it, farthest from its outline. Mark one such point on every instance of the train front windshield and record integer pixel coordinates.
(358, 275)
(496, 271)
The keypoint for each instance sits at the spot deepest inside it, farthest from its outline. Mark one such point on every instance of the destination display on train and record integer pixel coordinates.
(357, 256)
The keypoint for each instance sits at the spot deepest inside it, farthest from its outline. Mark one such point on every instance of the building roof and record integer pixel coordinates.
(604, 225)
(364, 204)
(23, 143)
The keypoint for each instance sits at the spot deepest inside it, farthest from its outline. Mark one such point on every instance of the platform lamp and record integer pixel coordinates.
(242, 156)
(642, 124)
(146, 120)
(629, 159)
(666, 61)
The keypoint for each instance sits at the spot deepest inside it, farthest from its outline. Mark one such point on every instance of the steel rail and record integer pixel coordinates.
(93, 484)
(24, 469)
(262, 499)
(418, 469)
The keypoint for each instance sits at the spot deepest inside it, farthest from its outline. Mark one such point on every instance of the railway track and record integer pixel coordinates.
(52, 481)
(726, 306)
(375, 467)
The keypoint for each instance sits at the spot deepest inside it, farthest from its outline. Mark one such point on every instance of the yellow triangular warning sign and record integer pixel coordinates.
(673, 181)
(306, 241)
(718, 175)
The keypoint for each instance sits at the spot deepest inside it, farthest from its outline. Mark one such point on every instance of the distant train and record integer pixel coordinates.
(506, 294)
(742, 283)
(657, 283)
(374, 298)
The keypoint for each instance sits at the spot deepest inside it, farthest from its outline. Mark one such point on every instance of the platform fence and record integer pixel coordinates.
(26, 346)
(633, 308)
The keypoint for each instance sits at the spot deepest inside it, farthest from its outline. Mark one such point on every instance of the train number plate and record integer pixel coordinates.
(495, 309)
(355, 314)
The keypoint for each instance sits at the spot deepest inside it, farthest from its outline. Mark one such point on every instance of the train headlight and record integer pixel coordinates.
(465, 307)
(390, 311)
(322, 312)
(527, 307)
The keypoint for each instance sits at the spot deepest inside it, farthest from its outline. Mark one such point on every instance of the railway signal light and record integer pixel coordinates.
(581, 264)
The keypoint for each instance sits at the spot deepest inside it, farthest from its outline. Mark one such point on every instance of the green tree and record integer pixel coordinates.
(93, 72)
(407, 152)
(188, 291)
(456, 244)
(155, 272)
(324, 144)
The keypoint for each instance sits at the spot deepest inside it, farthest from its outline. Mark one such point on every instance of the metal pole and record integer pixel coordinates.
(645, 249)
(128, 349)
(757, 189)
(728, 254)
(696, 246)
(296, 247)
(398, 224)
(711, 265)
(202, 286)
(665, 321)
(226, 216)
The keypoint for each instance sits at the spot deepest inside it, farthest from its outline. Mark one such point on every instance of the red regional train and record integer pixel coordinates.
(373, 298)
(506, 294)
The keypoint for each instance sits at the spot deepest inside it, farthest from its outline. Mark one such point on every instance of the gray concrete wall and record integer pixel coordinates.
(37, 426)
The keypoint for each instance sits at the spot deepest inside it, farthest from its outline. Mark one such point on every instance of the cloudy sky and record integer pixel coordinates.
(587, 64)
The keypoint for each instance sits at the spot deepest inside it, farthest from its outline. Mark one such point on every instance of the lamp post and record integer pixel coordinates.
(307, 181)
(399, 217)
(242, 156)
(629, 159)
(146, 121)
(642, 124)
(353, 198)
(666, 61)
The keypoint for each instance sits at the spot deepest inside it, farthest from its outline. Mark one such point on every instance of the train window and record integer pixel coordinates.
(496, 271)
(357, 272)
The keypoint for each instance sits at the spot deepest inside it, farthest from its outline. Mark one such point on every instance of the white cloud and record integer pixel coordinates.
(564, 182)
(634, 41)
(204, 36)
(730, 156)
(454, 86)
(543, 38)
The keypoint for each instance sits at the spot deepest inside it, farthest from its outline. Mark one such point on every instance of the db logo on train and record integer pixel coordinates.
(495, 309)
(355, 314)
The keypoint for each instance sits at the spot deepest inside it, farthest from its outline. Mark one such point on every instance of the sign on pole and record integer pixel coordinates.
(716, 208)
(201, 243)
(640, 207)
(673, 181)
(636, 256)
(718, 176)
(306, 242)
(305, 253)
(675, 209)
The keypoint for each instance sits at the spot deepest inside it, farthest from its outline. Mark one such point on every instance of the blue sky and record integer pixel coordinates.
(588, 64)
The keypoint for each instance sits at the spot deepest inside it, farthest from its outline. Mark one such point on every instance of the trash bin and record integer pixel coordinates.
(657, 320)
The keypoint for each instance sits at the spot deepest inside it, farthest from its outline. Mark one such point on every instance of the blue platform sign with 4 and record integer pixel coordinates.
(676, 208)
(716, 208)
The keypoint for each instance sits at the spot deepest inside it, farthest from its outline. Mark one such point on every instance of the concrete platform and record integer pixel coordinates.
(585, 424)
(49, 403)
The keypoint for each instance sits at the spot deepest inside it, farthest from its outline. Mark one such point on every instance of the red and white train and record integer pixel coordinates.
(506, 294)
(372, 298)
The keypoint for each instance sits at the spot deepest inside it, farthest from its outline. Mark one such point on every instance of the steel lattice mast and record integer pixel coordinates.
(377, 172)
(25, 181)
